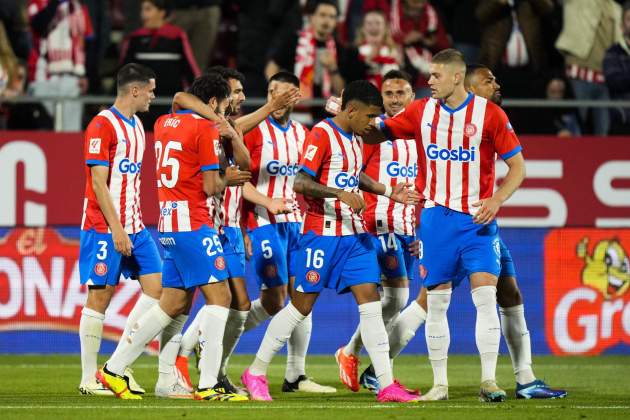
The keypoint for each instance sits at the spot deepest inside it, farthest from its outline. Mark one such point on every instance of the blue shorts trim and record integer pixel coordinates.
(100, 264)
(453, 247)
(233, 251)
(335, 262)
(394, 258)
(273, 247)
(192, 259)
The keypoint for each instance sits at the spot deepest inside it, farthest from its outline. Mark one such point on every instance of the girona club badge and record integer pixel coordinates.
(100, 269)
(470, 129)
(312, 277)
(219, 263)
(587, 290)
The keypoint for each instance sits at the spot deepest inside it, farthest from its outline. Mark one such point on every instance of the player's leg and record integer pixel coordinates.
(99, 266)
(395, 285)
(361, 275)
(280, 329)
(514, 329)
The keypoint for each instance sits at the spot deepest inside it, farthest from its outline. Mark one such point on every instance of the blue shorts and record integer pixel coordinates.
(272, 247)
(453, 247)
(100, 264)
(233, 251)
(507, 263)
(192, 258)
(394, 256)
(335, 262)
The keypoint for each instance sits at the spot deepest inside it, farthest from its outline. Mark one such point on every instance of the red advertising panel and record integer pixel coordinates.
(587, 296)
(570, 182)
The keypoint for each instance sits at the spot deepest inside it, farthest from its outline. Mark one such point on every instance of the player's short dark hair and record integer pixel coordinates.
(286, 77)
(398, 74)
(227, 73)
(471, 69)
(449, 56)
(160, 4)
(362, 91)
(210, 85)
(133, 73)
(312, 5)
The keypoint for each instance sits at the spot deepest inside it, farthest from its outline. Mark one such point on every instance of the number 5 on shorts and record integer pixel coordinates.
(315, 258)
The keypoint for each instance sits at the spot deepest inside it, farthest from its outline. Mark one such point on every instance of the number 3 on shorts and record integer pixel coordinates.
(315, 258)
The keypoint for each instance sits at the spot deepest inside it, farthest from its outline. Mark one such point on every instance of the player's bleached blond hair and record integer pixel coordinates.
(452, 57)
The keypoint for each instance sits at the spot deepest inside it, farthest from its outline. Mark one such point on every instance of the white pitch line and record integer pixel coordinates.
(272, 406)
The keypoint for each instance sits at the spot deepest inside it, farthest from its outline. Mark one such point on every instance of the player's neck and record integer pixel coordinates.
(457, 98)
(342, 122)
(125, 107)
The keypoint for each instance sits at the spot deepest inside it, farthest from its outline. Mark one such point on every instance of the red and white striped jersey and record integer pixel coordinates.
(390, 163)
(185, 146)
(333, 158)
(227, 207)
(456, 148)
(117, 142)
(275, 157)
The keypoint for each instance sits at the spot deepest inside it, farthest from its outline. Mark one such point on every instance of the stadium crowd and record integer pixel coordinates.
(545, 49)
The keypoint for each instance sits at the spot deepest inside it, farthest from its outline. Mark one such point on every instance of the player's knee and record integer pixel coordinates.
(273, 305)
(99, 298)
(509, 296)
(152, 289)
(240, 303)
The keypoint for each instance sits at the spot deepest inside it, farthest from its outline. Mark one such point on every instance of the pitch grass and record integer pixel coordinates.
(41, 387)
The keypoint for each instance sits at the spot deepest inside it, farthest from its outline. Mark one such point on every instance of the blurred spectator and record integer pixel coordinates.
(200, 19)
(376, 46)
(560, 121)
(57, 61)
(617, 73)
(512, 43)
(266, 28)
(462, 26)
(320, 61)
(13, 17)
(162, 47)
(417, 26)
(350, 17)
(97, 46)
(590, 28)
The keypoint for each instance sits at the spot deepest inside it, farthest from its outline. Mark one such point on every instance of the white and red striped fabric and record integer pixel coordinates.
(185, 145)
(333, 158)
(390, 163)
(584, 73)
(114, 141)
(275, 156)
(227, 207)
(456, 148)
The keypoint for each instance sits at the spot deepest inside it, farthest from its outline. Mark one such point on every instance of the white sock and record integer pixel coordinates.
(191, 335)
(297, 346)
(170, 340)
(90, 334)
(393, 300)
(233, 330)
(212, 327)
(514, 328)
(404, 328)
(437, 333)
(487, 330)
(257, 315)
(142, 306)
(374, 336)
(280, 329)
(148, 326)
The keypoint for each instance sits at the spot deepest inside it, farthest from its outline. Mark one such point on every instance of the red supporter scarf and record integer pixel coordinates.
(305, 56)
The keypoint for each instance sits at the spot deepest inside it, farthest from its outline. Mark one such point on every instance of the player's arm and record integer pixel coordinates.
(122, 243)
(184, 100)
(248, 122)
(273, 205)
(403, 126)
(399, 192)
(305, 184)
(238, 150)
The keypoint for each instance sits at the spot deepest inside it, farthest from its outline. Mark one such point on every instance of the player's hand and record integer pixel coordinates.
(355, 201)
(488, 209)
(280, 206)
(226, 130)
(285, 99)
(248, 246)
(403, 193)
(122, 243)
(333, 105)
(234, 176)
(414, 248)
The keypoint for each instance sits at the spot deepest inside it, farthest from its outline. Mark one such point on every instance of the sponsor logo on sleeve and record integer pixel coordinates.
(95, 146)
(311, 150)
